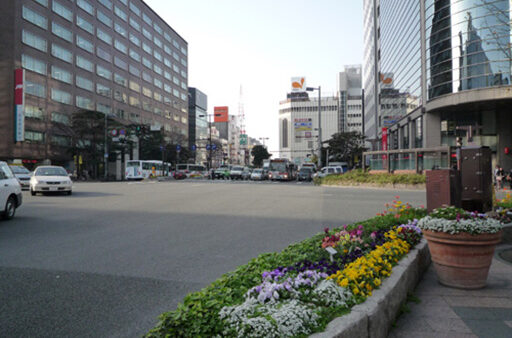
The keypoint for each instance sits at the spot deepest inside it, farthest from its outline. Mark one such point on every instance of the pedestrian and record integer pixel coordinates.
(499, 177)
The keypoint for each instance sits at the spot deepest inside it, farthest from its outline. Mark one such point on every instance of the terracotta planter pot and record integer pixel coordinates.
(462, 260)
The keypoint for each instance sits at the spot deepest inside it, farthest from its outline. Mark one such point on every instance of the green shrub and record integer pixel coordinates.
(360, 176)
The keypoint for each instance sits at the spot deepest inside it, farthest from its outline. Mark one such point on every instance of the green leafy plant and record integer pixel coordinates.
(360, 177)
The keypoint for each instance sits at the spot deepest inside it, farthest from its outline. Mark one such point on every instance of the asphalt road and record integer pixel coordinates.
(106, 261)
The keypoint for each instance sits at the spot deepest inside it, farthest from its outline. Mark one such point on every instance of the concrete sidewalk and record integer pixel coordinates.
(448, 312)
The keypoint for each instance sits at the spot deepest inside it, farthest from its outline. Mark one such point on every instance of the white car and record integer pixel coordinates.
(10, 192)
(50, 179)
(257, 175)
(22, 174)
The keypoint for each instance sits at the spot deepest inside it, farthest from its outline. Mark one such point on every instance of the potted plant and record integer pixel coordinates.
(462, 245)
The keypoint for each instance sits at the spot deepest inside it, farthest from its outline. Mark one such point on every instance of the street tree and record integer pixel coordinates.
(259, 153)
(347, 147)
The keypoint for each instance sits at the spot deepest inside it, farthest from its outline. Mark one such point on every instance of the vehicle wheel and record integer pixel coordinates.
(10, 208)
(32, 192)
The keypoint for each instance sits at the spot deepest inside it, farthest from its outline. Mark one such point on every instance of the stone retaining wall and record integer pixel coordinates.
(374, 317)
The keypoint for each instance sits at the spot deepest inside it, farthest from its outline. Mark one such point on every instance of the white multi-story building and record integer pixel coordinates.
(350, 99)
(298, 125)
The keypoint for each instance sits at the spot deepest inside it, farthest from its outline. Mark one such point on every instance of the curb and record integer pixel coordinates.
(374, 317)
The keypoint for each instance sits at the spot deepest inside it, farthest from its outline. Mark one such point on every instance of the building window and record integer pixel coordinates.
(146, 92)
(34, 136)
(60, 140)
(82, 82)
(62, 11)
(60, 118)
(35, 18)
(34, 41)
(42, 2)
(135, 40)
(134, 9)
(157, 83)
(84, 24)
(83, 63)
(157, 55)
(147, 77)
(134, 70)
(120, 96)
(86, 6)
(104, 36)
(158, 42)
(106, 3)
(120, 13)
(125, 2)
(167, 88)
(103, 54)
(135, 86)
(147, 33)
(147, 63)
(33, 64)
(120, 30)
(419, 133)
(104, 18)
(62, 32)
(103, 90)
(158, 28)
(134, 24)
(167, 49)
(62, 75)
(34, 112)
(134, 101)
(147, 19)
(84, 44)
(84, 103)
(103, 72)
(120, 63)
(157, 96)
(167, 37)
(62, 53)
(120, 80)
(134, 55)
(103, 108)
(60, 96)
(35, 89)
(120, 46)
(146, 106)
(146, 48)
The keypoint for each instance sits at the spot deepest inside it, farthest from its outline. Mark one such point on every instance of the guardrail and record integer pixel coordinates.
(409, 160)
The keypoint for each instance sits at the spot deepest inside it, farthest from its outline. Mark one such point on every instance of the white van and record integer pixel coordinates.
(10, 192)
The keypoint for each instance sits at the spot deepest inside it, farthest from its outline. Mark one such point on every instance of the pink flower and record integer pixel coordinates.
(326, 230)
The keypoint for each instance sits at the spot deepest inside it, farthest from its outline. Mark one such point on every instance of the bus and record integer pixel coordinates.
(139, 170)
(192, 170)
(282, 169)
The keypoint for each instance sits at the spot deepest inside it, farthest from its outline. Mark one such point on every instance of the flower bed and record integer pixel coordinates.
(298, 291)
(357, 177)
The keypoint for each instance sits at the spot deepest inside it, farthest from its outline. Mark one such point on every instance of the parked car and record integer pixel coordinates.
(246, 174)
(22, 174)
(305, 174)
(10, 192)
(50, 179)
(257, 175)
(328, 171)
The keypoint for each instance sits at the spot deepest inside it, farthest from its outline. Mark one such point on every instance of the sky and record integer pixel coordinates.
(258, 45)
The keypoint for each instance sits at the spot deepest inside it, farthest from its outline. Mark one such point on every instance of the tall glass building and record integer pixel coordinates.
(444, 71)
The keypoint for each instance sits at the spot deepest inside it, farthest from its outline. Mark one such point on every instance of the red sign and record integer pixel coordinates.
(19, 113)
(18, 87)
(384, 138)
(221, 114)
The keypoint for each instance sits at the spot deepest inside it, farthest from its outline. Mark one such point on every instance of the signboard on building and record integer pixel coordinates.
(298, 84)
(243, 139)
(221, 114)
(386, 80)
(384, 138)
(303, 124)
(19, 105)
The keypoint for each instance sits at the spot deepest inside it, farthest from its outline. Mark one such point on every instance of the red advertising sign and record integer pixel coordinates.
(19, 113)
(18, 86)
(384, 138)
(221, 114)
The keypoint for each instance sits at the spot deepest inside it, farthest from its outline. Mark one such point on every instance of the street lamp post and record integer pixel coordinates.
(310, 89)
(263, 139)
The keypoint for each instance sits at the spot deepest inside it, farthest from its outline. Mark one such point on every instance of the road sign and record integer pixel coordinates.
(214, 146)
(208, 147)
(115, 139)
(178, 147)
(193, 147)
(113, 132)
(243, 139)
(122, 132)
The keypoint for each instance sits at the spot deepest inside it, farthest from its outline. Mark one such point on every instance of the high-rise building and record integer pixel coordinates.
(443, 69)
(198, 135)
(298, 125)
(350, 100)
(115, 57)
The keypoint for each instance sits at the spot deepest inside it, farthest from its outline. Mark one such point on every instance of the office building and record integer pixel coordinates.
(298, 125)
(350, 100)
(447, 64)
(115, 57)
(198, 133)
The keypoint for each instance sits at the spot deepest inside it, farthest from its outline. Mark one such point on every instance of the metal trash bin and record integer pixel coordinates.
(476, 177)
(443, 188)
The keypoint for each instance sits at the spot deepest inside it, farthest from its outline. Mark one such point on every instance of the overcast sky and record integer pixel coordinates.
(260, 45)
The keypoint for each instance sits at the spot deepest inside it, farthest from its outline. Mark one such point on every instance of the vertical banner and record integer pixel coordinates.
(19, 105)
(384, 146)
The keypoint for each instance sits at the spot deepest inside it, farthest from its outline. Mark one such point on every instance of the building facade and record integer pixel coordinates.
(350, 95)
(198, 135)
(449, 62)
(298, 125)
(115, 57)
